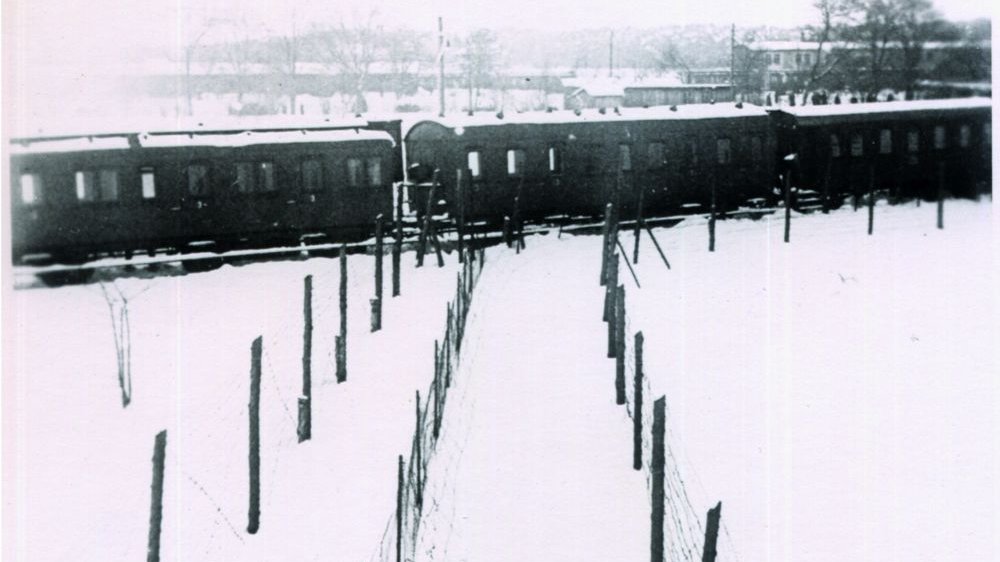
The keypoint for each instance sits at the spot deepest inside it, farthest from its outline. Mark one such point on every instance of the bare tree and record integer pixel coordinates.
(283, 56)
(198, 28)
(918, 22)
(352, 49)
(480, 63)
(832, 18)
(238, 52)
(875, 27)
(406, 54)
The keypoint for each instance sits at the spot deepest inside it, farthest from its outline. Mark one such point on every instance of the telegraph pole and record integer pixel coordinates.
(441, 66)
(732, 60)
(611, 55)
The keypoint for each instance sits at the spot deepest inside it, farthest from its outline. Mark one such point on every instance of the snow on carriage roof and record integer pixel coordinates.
(623, 114)
(77, 144)
(250, 138)
(807, 111)
(113, 127)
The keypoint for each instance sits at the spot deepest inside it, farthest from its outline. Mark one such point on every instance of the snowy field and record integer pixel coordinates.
(838, 394)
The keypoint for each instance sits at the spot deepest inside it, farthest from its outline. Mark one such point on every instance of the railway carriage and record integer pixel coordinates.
(183, 191)
(901, 146)
(573, 163)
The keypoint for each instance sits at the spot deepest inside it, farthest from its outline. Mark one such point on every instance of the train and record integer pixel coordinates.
(197, 187)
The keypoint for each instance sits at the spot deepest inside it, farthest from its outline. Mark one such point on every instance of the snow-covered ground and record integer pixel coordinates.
(838, 394)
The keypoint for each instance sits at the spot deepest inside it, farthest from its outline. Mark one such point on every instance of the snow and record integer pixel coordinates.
(953, 104)
(251, 138)
(838, 394)
(70, 145)
(625, 114)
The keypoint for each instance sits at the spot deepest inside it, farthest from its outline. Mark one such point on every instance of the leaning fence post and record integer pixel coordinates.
(638, 226)
(460, 200)
(506, 230)
(377, 301)
(712, 533)
(620, 345)
(940, 195)
(156, 504)
(418, 439)
(399, 511)
(658, 468)
(305, 401)
(637, 406)
(612, 300)
(254, 459)
(341, 339)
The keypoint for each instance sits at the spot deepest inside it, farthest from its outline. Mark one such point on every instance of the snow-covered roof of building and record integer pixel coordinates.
(251, 138)
(624, 114)
(815, 111)
(77, 144)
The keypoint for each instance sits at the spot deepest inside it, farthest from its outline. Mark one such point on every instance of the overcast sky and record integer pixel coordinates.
(105, 32)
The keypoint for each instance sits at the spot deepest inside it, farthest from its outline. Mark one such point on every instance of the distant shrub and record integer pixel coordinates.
(407, 108)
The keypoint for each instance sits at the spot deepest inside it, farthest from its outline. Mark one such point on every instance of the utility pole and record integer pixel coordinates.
(611, 55)
(732, 60)
(441, 66)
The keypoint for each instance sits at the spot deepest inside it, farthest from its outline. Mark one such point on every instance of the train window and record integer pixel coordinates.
(756, 149)
(964, 136)
(354, 172)
(987, 133)
(266, 176)
(31, 189)
(245, 180)
(108, 181)
(197, 176)
(515, 162)
(312, 175)
(834, 146)
(374, 170)
(148, 176)
(724, 150)
(913, 140)
(693, 152)
(591, 163)
(625, 157)
(475, 165)
(85, 188)
(555, 160)
(885, 141)
(857, 144)
(657, 155)
(940, 139)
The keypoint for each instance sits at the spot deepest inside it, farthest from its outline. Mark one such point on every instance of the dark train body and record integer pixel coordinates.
(197, 191)
(900, 146)
(564, 163)
(218, 188)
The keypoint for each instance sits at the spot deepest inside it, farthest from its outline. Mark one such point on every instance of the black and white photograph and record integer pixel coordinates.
(479, 281)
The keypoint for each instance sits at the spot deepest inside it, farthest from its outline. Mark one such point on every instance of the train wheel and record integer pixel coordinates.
(68, 277)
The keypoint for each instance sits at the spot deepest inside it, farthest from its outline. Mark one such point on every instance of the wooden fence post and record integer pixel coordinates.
(605, 233)
(712, 533)
(305, 401)
(612, 299)
(788, 203)
(419, 463)
(341, 339)
(940, 195)
(254, 512)
(658, 468)
(637, 406)
(460, 200)
(711, 218)
(397, 246)
(620, 345)
(871, 199)
(506, 230)
(377, 302)
(638, 226)
(156, 503)
(399, 511)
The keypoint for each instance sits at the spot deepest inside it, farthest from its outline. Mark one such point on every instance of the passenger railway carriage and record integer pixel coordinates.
(900, 146)
(214, 188)
(75, 197)
(574, 162)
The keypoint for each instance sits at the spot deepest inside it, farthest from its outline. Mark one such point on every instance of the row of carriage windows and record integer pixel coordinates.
(939, 140)
(657, 157)
(102, 185)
